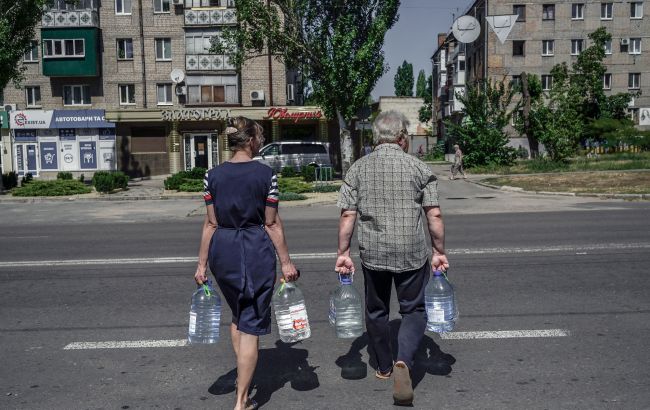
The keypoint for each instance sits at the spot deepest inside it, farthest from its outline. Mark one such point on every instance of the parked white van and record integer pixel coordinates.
(294, 154)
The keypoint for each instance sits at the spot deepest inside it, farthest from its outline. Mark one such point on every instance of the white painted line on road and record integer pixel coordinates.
(328, 255)
(505, 334)
(133, 344)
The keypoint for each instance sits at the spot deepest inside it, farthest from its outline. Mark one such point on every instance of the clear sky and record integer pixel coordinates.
(413, 37)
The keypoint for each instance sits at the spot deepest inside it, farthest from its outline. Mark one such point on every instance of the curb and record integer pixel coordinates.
(574, 194)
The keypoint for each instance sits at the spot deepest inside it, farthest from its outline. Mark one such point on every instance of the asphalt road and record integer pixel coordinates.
(65, 277)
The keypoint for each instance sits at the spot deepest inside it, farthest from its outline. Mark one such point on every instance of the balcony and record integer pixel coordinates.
(210, 17)
(70, 18)
(208, 62)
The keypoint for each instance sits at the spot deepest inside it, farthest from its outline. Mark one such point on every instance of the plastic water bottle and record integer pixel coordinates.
(348, 315)
(440, 304)
(205, 315)
(332, 312)
(291, 313)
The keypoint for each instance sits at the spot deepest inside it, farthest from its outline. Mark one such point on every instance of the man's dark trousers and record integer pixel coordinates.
(410, 294)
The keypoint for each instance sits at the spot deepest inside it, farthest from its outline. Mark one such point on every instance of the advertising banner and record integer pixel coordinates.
(88, 154)
(20, 160)
(80, 119)
(644, 116)
(30, 119)
(49, 157)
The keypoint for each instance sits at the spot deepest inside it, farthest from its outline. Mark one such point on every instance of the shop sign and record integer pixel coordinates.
(4, 119)
(48, 155)
(88, 154)
(199, 114)
(31, 119)
(80, 119)
(277, 113)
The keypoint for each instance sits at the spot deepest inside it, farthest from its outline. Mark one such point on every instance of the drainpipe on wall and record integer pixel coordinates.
(144, 63)
(268, 4)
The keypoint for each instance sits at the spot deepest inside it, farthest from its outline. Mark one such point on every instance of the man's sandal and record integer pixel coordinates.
(383, 375)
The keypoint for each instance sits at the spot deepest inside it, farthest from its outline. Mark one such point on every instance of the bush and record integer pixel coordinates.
(327, 188)
(82, 178)
(176, 180)
(295, 185)
(308, 173)
(196, 173)
(288, 172)
(64, 176)
(105, 181)
(27, 179)
(291, 196)
(192, 185)
(52, 188)
(10, 180)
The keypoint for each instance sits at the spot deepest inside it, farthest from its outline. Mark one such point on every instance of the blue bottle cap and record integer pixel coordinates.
(437, 273)
(345, 279)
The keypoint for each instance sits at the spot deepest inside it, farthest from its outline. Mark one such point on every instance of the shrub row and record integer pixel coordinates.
(10, 180)
(52, 188)
(175, 181)
(105, 181)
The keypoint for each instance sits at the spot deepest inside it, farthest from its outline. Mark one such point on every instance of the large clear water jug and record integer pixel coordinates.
(347, 309)
(205, 315)
(440, 303)
(291, 313)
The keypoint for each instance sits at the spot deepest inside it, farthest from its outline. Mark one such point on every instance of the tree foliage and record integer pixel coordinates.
(17, 22)
(403, 81)
(425, 113)
(481, 133)
(421, 85)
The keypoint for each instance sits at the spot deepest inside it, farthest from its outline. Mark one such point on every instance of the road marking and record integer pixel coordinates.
(144, 344)
(328, 255)
(505, 334)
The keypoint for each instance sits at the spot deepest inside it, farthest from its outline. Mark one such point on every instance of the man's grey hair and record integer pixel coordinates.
(388, 127)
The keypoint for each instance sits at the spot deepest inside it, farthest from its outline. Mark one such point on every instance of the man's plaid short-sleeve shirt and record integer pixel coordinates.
(388, 189)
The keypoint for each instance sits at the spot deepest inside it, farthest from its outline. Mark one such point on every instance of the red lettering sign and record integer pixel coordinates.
(276, 113)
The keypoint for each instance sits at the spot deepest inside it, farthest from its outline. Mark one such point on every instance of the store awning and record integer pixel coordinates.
(80, 119)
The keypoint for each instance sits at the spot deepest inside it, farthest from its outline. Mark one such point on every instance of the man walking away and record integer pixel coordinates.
(392, 192)
(458, 163)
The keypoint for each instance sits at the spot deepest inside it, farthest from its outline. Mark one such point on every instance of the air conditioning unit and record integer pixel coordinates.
(181, 90)
(257, 95)
(177, 2)
(291, 95)
(625, 41)
(10, 107)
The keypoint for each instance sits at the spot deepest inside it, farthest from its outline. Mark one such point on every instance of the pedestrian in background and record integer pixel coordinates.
(391, 193)
(241, 234)
(458, 163)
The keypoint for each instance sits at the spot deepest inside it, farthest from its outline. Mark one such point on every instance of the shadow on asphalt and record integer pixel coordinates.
(428, 358)
(275, 368)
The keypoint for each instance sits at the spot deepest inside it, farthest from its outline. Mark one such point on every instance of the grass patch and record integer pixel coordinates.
(52, 188)
(291, 196)
(588, 182)
(606, 162)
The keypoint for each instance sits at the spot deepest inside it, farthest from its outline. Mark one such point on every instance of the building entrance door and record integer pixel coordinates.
(26, 161)
(70, 155)
(201, 151)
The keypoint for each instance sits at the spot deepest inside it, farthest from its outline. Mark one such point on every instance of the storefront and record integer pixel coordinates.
(47, 142)
(5, 143)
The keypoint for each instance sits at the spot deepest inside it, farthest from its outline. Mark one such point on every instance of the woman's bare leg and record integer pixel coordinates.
(246, 363)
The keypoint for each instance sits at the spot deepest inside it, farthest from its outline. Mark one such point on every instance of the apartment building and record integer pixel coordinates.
(547, 33)
(131, 85)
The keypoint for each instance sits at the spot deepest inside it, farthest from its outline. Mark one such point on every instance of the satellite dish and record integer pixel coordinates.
(177, 75)
(466, 29)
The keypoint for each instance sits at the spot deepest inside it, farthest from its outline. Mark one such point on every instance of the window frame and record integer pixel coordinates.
(126, 87)
(124, 13)
(580, 41)
(631, 49)
(607, 81)
(633, 85)
(547, 78)
(62, 46)
(169, 94)
(577, 7)
(30, 91)
(545, 7)
(84, 94)
(545, 51)
(124, 42)
(633, 8)
(33, 50)
(163, 41)
(162, 3)
(608, 47)
(520, 17)
(523, 48)
(603, 8)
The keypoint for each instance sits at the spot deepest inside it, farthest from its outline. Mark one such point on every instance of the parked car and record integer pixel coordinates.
(294, 154)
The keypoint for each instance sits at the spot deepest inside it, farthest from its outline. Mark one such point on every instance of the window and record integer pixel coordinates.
(122, 6)
(577, 11)
(608, 47)
(635, 46)
(636, 10)
(127, 94)
(124, 49)
(199, 42)
(76, 95)
(515, 82)
(461, 65)
(520, 11)
(517, 117)
(547, 82)
(163, 49)
(518, 47)
(33, 95)
(607, 81)
(164, 94)
(72, 5)
(200, 94)
(32, 54)
(606, 11)
(547, 47)
(634, 81)
(273, 149)
(207, 3)
(576, 46)
(548, 12)
(161, 6)
(63, 48)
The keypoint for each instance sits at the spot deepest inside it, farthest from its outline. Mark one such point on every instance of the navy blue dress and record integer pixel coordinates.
(242, 256)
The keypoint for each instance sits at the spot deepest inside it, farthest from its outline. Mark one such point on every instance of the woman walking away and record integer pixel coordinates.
(241, 234)
(458, 163)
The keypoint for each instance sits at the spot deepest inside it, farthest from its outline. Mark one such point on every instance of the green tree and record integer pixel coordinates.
(421, 85)
(336, 44)
(481, 133)
(425, 113)
(404, 80)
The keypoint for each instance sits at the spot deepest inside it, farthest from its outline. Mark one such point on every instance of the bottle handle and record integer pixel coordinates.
(351, 275)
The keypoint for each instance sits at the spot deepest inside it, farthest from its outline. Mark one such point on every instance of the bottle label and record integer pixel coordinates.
(436, 315)
(299, 316)
(192, 322)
